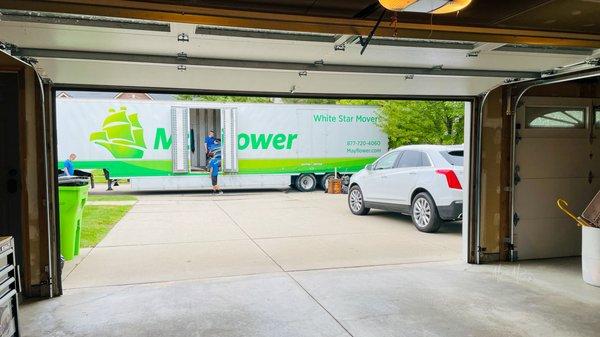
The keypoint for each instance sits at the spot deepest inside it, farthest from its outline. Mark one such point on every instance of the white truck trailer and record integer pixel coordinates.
(159, 145)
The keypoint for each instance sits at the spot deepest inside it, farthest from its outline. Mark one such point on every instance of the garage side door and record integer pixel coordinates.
(552, 160)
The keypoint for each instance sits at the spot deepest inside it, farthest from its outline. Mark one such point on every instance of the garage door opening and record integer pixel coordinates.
(272, 263)
(162, 211)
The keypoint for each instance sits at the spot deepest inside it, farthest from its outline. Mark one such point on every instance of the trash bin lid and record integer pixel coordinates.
(73, 181)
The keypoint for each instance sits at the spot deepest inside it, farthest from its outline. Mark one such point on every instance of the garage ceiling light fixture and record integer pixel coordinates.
(419, 6)
(425, 6)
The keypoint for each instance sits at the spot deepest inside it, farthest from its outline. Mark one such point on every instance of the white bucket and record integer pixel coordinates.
(590, 255)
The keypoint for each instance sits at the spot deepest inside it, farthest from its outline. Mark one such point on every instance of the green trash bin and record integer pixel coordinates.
(71, 200)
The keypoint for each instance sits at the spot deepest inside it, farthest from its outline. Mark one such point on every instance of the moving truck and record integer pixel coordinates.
(159, 145)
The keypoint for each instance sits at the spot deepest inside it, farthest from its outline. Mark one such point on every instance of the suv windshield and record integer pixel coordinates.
(455, 158)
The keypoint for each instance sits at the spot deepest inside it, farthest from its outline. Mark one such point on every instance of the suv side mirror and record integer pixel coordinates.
(369, 167)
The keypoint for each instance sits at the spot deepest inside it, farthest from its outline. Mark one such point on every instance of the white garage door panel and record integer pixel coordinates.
(553, 162)
(104, 73)
(547, 238)
(536, 198)
(537, 163)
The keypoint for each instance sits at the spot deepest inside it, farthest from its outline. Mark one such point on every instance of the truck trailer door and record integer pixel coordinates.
(180, 129)
(229, 159)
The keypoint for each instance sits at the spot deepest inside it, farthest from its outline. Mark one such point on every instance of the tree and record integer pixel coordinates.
(290, 100)
(251, 99)
(419, 122)
(224, 99)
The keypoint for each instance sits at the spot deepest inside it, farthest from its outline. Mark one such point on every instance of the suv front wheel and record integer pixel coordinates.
(356, 202)
(425, 214)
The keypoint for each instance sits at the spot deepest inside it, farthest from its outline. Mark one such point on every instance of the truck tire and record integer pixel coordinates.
(324, 183)
(356, 201)
(306, 182)
(424, 213)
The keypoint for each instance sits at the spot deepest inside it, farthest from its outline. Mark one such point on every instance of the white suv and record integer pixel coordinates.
(424, 181)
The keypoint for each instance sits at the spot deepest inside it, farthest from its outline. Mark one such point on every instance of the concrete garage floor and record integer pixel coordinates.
(299, 264)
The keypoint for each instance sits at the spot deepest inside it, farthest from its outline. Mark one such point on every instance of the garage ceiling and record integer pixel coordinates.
(556, 15)
(79, 49)
(549, 22)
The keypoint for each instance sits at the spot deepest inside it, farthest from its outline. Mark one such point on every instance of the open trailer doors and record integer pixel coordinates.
(182, 128)
(180, 133)
(229, 153)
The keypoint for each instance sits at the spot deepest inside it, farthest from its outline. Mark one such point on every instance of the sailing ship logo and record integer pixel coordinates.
(122, 134)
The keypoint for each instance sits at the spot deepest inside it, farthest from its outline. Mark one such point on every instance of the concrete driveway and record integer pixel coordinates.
(279, 264)
(174, 237)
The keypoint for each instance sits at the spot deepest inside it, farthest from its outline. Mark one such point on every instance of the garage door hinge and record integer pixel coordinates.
(517, 177)
(516, 219)
(481, 249)
(590, 177)
(517, 138)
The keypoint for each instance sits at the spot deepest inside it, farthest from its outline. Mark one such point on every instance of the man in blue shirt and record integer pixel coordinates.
(213, 166)
(209, 143)
(69, 167)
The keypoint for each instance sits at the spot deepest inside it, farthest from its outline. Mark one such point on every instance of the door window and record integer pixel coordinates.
(387, 161)
(597, 117)
(555, 118)
(425, 159)
(411, 159)
(455, 158)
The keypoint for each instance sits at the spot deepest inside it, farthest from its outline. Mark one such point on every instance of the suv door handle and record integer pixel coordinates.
(411, 173)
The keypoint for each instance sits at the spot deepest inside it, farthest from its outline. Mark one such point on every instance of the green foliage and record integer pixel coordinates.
(289, 100)
(419, 122)
(224, 99)
(249, 99)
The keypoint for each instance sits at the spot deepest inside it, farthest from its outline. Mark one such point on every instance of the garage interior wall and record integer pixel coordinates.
(27, 199)
(494, 162)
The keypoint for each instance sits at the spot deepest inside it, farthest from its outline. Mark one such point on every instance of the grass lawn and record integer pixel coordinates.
(98, 221)
(111, 197)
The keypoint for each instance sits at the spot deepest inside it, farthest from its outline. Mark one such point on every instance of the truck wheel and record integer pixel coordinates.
(424, 213)
(325, 181)
(306, 182)
(356, 201)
